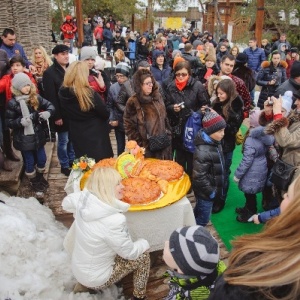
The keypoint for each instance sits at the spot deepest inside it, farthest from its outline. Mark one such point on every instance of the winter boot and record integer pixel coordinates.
(41, 179)
(36, 185)
(79, 288)
(7, 148)
(249, 210)
(218, 206)
(245, 217)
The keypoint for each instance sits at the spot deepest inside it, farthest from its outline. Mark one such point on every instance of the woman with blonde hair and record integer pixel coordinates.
(234, 51)
(103, 251)
(42, 61)
(266, 265)
(86, 113)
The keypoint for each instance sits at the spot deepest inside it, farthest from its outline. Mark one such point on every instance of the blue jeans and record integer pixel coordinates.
(228, 162)
(120, 137)
(65, 151)
(34, 157)
(202, 211)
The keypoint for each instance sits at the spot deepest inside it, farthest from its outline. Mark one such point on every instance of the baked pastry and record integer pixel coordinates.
(140, 191)
(106, 162)
(162, 169)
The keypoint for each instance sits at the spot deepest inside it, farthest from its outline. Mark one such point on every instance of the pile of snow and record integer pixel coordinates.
(34, 264)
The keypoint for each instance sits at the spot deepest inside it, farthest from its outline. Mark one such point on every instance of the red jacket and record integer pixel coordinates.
(98, 32)
(68, 29)
(5, 85)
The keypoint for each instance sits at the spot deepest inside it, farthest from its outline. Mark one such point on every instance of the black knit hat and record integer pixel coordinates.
(295, 69)
(241, 58)
(194, 250)
(212, 122)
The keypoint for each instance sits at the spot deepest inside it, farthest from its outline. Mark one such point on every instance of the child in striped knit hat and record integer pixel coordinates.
(193, 255)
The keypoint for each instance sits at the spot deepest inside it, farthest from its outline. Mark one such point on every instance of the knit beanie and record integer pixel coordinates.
(212, 122)
(295, 69)
(181, 46)
(122, 68)
(194, 250)
(287, 101)
(20, 80)
(177, 60)
(143, 64)
(88, 52)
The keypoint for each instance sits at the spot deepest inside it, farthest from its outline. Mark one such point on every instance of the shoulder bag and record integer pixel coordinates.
(282, 174)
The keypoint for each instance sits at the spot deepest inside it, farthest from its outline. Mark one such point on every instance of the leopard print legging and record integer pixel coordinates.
(140, 268)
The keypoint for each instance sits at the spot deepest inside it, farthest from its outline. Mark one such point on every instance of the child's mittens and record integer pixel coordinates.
(26, 122)
(235, 179)
(212, 195)
(44, 115)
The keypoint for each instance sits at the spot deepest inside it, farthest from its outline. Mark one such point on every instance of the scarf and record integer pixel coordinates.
(25, 113)
(181, 85)
(41, 66)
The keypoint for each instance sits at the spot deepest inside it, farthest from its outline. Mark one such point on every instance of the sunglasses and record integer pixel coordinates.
(181, 74)
(148, 83)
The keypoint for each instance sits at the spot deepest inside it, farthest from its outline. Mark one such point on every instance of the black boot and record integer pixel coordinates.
(218, 206)
(7, 148)
(41, 179)
(37, 186)
(249, 210)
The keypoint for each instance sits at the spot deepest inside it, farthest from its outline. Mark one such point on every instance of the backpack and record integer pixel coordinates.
(191, 128)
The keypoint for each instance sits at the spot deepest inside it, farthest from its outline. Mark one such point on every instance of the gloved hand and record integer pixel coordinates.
(26, 122)
(44, 115)
(235, 179)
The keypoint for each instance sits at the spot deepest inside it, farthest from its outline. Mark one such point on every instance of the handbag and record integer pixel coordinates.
(282, 174)
(159, 142)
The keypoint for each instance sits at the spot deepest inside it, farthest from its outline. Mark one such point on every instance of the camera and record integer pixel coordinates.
(94, 72)
(181, 104)
(207, 109)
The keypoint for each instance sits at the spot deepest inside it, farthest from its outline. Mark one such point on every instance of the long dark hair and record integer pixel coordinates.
(229, 88)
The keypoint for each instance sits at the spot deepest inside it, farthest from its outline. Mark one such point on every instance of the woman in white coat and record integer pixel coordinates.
(104, 252)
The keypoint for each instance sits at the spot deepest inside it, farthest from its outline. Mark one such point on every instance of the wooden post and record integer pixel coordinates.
(227, 15)
(79, 22)
(259, 21)
(132, 22)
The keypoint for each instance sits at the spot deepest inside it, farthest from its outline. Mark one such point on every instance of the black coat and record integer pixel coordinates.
(225, 291)
(13, 120)
(53, 78)
(208, 168)
(203, 71)
(89, 131)
(234, 121)
(246, 74)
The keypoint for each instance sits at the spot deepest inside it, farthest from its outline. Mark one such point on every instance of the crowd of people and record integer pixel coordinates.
(161, 81)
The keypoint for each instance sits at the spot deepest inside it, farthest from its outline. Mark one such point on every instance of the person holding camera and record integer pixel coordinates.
(86, 113)
(97, 79)
(271, 75)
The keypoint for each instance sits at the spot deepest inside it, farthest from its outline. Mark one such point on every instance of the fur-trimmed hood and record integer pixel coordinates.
(266, 64)
(276, 125)
(262, 120)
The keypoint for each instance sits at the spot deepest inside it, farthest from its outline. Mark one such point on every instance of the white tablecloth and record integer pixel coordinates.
(157, 225)
(154, 225)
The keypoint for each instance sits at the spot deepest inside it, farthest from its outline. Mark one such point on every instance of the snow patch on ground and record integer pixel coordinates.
(33, 262)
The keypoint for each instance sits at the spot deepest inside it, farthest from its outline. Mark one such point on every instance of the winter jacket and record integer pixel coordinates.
(288, 85)
(246, 74)
(52, 80)
(126, 91)
(225, 291)
(88, 130)
(16, 49)
(142, 51)
(194, 61)
(107, 34)
(87, 33)
(290, 60)
(255, 58)
(194, 96)
(265, 75)
(5, 84)
(276, 44)
(190, 287)
(144, 118)
(267, 49)
(233, 121)
(101, 235)
(287, 135)
(68, 29)
(268, 215)
(160, 74)
(118, 43)
(252, 170)
(98, 32)
(13, 117)
(202, 72)
(208, 168)
(114, 113)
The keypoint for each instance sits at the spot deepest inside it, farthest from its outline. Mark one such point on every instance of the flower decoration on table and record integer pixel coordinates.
(83, 164)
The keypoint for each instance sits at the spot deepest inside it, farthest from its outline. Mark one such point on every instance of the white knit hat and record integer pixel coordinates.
(88, 52)
(287, 101)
